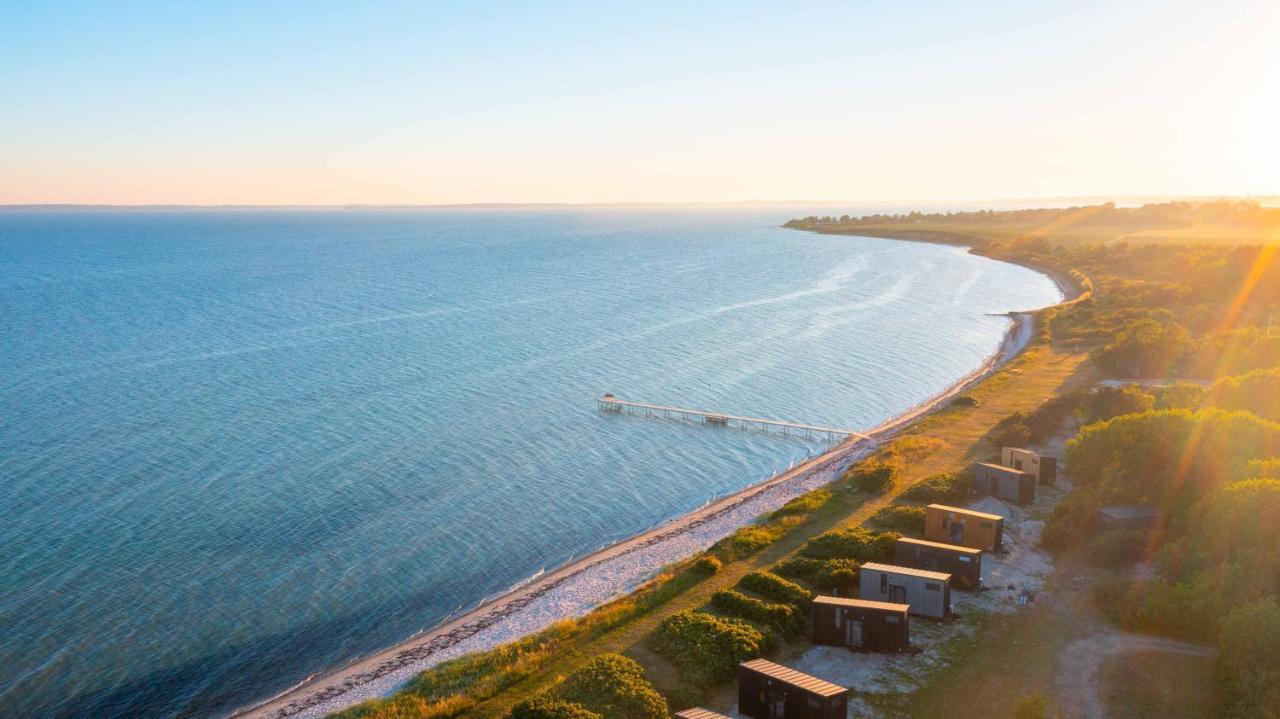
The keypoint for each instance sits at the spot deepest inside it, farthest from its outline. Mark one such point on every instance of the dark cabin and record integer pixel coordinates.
(1121, 517)
(772, 691)
(1005, 483)
(699, 713)
(965, 527)
(861, 624)
(964, 564)
(1043, 466)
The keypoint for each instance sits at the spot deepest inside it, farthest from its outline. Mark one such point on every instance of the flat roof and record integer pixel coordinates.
(911, 571)
(862, 604)
(1024, 449)
(1128, 512)
(699, 713)
(970, 512)
(790, 676)
(1002, 468)
(940, 545)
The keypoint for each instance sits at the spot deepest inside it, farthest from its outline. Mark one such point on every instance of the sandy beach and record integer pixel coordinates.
(578, 587)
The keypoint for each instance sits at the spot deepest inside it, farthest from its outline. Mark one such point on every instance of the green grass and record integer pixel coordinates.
(1157, 684)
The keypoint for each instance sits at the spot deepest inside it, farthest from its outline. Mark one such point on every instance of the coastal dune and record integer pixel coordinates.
(578, 587)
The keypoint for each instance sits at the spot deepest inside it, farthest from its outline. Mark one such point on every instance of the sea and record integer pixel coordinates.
(240, 446)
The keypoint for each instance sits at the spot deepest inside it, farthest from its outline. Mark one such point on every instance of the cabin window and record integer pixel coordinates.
(946, 521)
(839, 616)
(933, 587)
(987, 525)
(891, 620)
(964, 559)
(884, 583)
(814, 703)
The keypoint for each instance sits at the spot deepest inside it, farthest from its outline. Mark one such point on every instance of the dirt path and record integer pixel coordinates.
(1079, 666)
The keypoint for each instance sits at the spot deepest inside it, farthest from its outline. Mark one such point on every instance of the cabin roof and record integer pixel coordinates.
(1128, 512)
(939, 545)
(911, 571)
(795, 678)
(699, 713)
(970, 512)
(862, 603)
(1002, 468)
(1024, 449)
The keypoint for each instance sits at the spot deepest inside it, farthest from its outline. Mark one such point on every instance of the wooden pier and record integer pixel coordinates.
(610, 403)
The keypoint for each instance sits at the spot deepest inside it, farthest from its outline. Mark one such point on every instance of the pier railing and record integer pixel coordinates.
(610, 403)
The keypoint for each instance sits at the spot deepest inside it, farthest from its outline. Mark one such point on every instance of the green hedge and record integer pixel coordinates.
(876, 480)
(542, 707)
(771, 586)
(901, 518)
(782, 617)
(706, 648)
(612, 686)
(817, 572)
(856, 543)
(939, 489)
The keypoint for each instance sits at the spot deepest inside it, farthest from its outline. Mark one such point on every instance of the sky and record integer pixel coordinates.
(422, 103)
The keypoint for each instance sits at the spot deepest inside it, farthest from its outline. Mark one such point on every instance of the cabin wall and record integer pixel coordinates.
(882, 631)
(965, 567)
(756, 693)
(940, 525)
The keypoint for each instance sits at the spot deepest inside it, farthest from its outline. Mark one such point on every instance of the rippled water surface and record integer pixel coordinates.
(239, 447)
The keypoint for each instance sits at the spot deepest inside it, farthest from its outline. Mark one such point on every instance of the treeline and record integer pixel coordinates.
(1149, 216)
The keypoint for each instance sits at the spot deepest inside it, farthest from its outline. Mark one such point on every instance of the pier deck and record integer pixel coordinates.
(610, 403)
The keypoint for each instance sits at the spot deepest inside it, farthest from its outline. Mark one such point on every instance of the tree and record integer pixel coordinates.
(1248, 674)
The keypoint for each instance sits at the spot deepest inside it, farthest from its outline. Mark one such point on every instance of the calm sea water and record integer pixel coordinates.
(240, 447)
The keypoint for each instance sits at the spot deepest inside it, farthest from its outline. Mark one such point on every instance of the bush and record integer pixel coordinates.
(940, 489)
(746, 541)
(1012, 435)
(803, 505)
(1117, 548)
(541, 707)
(1108, 402)
(771, 586)
(707, 565)
(707, 648)
(817, 572)
(782, 617)
(876, 480)
(964, 400)
(901, 518)
(856, 543)
(612, 685)
(844, 581)
(1247, 672)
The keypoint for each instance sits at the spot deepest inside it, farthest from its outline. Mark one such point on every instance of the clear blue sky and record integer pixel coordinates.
(322, 102)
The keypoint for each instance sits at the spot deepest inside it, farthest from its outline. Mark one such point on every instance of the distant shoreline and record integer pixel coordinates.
(624, 565)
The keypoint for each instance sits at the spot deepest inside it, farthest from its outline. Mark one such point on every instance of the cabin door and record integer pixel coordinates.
(957, 532)
(777, 706)
(897, 594)
(853, 632)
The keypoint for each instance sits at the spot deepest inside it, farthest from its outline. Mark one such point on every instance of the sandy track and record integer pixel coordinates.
(1080, 665)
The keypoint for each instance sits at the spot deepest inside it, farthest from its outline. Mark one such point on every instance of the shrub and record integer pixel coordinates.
(771, 586)
(1257, 392)
(844, 581)
(901, 518)
(782, 617)
(964, 400)
(1263, 469)
(876, 480)
(1247, 672)
(817, 572)
(612, 685)
(1012, 435)
(746, 541)
(940, 488)
(804, 504)
(541, 707)
(1108, 402)
(707, 648)
(1117, 548)
(857, 543)
(707, 565)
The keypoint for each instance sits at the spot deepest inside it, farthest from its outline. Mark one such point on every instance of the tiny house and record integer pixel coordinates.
(1005, 483)
(772, 691)
(1121, 517)
(861, 624)
(965, 527)
(1043, 467)
(927, 593)
(699, 713)
(964, 564)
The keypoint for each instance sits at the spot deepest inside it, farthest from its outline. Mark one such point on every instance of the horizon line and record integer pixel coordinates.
(557, 205)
